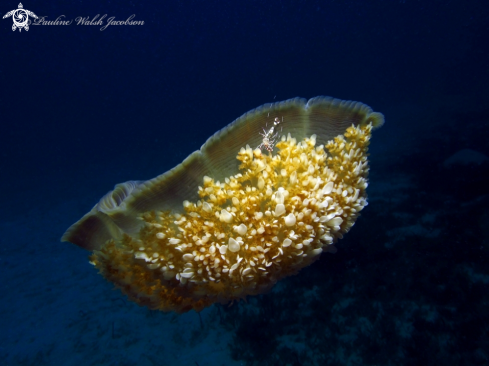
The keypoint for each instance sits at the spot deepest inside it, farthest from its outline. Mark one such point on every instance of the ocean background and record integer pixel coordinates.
(84, 109)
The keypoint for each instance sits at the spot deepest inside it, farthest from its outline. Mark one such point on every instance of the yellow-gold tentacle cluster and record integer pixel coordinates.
(247, 232)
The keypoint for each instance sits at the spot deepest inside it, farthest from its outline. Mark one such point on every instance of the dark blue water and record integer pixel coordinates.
(84, 108)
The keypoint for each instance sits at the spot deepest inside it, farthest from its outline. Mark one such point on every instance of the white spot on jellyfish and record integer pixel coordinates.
(286, 243)
(242, 229)
(279, 209)
(328, 188)
(233, 245)
(290, 219)
(226, 216)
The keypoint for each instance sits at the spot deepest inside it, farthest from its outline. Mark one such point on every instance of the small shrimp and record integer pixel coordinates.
(269, 138)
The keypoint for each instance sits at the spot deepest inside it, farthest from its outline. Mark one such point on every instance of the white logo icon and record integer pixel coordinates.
(20, 17)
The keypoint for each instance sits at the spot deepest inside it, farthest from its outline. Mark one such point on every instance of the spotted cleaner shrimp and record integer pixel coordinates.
(269, 138)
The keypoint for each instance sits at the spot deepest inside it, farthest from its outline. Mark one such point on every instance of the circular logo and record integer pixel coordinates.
(21, 18)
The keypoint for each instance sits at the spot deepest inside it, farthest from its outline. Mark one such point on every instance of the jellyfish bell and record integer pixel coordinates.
(231, 220)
